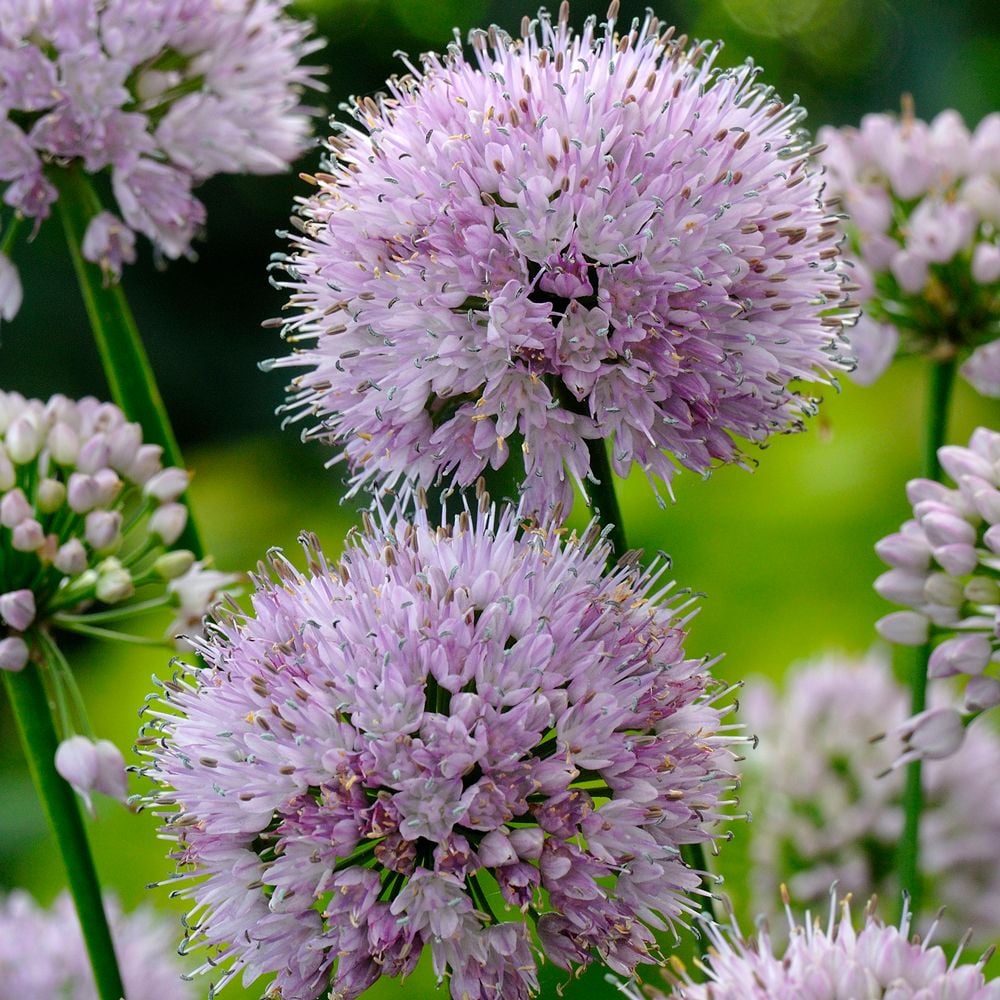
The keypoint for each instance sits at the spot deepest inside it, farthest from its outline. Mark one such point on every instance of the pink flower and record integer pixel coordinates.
(92, 766)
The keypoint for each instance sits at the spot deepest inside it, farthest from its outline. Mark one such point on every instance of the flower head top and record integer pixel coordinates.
(924, 202)
(446, 709)
(827, 803)
(944, 567)
(566, 239)
(42, 953)
(836, 962)
(160, 93)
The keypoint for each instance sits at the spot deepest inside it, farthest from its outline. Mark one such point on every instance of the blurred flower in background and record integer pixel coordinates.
(827, 804)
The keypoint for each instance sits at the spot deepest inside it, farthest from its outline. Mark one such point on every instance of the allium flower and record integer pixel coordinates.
(42, 954)
(924, 202)
(447, 731)
(162, 94)
(86, 514)
(835, 963)
(944, 567)
(826, 811)
(567, 239)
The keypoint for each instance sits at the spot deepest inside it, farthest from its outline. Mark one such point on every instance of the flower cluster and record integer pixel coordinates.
(835, 963)
(42, 954)
(161, 93)
(566, 239)
(826, 811)
(450, 729)
(944, 566)
(924, 204)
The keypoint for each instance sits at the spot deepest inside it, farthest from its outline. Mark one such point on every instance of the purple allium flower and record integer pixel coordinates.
(567, 238)
(826, 810)
(42, 954)
(924, 202)
(835, 963)
(162, 94)
(450, 730)
(944, 568)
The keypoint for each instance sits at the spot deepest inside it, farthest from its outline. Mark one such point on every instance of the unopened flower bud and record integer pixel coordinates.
(103, 529)
(958, 462)
(17, 608)
(168, 484)
(171, 565)
(991, 539)
(114, 582)
(947, 529)
(94, 454)
(495, 849)
(168, 521)
(943, 589)
(82, 493)
(967, 654)
(987, 503)
(931, 735)
(92, 766)
(23, 441)
(71, 558)
(124, 442)
(108, 486)
(986, 263)
(957, 559)
(146, 464)
(981, 694)
(919, 490)
(64, 444)
(904, 551)
(13, 653)
(528, 842)
(14, 508)
(982, 590)
(50, 496)
(907, 628)
(901, 586)
(28, 536)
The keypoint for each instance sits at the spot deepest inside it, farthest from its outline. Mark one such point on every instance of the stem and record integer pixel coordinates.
(123, 356)
(10, 233)
(941, 379)
(34, 723)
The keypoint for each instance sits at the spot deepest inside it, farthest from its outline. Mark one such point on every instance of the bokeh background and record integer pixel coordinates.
(783, 555)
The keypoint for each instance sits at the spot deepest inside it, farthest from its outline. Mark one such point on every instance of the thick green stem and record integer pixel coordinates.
(942, 374)
(34, 722)
(10, 234)
(123, 356)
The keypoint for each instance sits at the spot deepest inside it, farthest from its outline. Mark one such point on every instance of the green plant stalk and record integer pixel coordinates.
(33, 715)
(941, 379)
(604, 504)
(123, 356)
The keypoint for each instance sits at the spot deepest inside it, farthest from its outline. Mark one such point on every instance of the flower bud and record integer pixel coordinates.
(17, 608)
(8, 477)
(991, 539)
(71, 558)
(168, 522)
(13, 653)
(904, 551)
(907, 628)
(14, 508)
(83, 493)
(967, 654)
(23, 441)
(28, 536)
(958, 462)
(92, 766)
(987, 503)
(931, 735)
(495, 849)
(94, 454)
(982, 590)
(957, 559)
(108, 486)
(168, 484)
(981, 694)
(103, 529)
(146, 464)
(124, 443)
(986, 263)
(943, 589)
(64, 444)
(50, 496)
(528, 842)
(114, 582)
(919, 490)
(173, 564)
(947, 529)
(901, 586)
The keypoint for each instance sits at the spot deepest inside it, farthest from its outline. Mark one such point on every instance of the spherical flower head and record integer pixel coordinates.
(835, 962)
(160, 94)
(827, 803)
(944, 565)
(924, 207)
(564, 239)
(42, 953)
(448, 730)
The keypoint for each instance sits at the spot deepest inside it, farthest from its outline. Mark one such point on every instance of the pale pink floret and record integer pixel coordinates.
(561, 239)
(443, 703)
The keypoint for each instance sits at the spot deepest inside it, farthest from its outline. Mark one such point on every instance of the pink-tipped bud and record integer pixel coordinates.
(987, 502)
(947, 529)
(14, 508)
(108, 486)
(102, 530)
(83, 493)
(92, 766)
(94, 454)
(981, 694)
(147, 463)
(904, 551)
(64, 444)
(986, 263)
(23, 441)
(991, 539)
(528, 842)
(919, 490)
(71, 558)
(907, 628)
(901, 586)
(957, 559)
(168, 484)
(50, 496)
(495, 849)
(13, 654)
(28, 536)
(124, 442)
(168, 522)
(17, 608)
(958, 461)
(967, 654)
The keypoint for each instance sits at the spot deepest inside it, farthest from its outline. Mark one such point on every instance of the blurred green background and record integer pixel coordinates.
(784, 556)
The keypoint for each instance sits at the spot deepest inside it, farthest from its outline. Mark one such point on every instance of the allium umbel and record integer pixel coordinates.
(42, 954)
(924, 206)
(945, 564)
(450, 731)
(159, 94)
(828, 805)
(566, 239)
